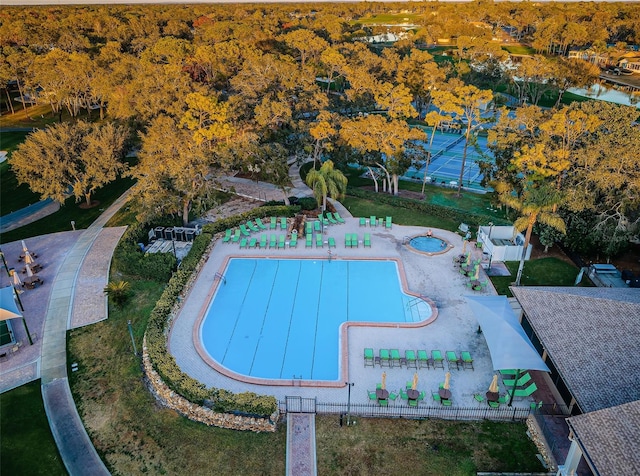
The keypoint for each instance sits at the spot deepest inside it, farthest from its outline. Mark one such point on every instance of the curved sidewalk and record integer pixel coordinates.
(76, 449)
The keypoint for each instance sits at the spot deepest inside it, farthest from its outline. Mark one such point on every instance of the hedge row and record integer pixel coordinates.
(219, 400)
(155, 266)
(449, 213)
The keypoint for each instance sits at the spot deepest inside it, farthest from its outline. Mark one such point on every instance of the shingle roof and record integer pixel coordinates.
(609, 437)
(591, 336)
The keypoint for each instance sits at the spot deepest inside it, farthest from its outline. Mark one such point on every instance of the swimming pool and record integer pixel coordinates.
(429, 245)
(280, 318)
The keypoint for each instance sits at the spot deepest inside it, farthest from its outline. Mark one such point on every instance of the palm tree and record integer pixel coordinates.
(537, 202)
(326, 182)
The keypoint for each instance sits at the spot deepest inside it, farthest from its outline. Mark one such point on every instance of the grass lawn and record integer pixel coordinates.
(13, 196)
(26, 443)
(134, 434)
(539, 272)
(61, 220)
(519, 49)
(424, 447)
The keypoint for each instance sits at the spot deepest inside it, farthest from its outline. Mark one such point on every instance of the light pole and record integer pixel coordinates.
(135, 351)
(4, 263)
(349, 385)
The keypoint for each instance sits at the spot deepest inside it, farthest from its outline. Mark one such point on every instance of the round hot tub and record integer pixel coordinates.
(429, 245)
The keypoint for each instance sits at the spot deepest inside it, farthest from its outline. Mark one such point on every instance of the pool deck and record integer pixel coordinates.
(435, 277)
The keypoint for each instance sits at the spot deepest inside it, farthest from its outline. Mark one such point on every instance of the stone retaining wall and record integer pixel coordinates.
(199, 413)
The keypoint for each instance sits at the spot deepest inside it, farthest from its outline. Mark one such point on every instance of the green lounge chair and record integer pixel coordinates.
(252, 227)
(438, 361)
(282, 241)
(378, 386)
(293, 242)
(503, 399)
(332, 242)
(273, 224)
(467, 361)
(319, 241)
(421, 396)
(325, 220)
(493, 404)
(367, 240)
(244, 231)
(253, 242)
(308, 228)
(447, 403)
(368, 357)
(373, 221)
(523, 392)
(363, 221)
(410, 357)
(452, 359)
(243, 243)
(273, 241)
(393, 396)
(261, 225)
(347, 240)
(384, 358)
(403, 394)
(354, 240)
(283, 223)
(227, 235)
(309, 241)
(332, 220)
(236, 236)
(387, 223)
(263, 241)
(412, 403)
(423, 359)
(395, 358)
(338, 218)
(436, 397)
(520, 383)
(508, 371)
(372, 395)
(383, 402)
(478, 398)
(317, 226)
(535, 406)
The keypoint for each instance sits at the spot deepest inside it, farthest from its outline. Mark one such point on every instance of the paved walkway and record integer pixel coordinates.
(301, 444)
(28, 215)
(76, 449)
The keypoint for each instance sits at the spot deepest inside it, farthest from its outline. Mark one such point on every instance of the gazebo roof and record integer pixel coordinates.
(591, 336)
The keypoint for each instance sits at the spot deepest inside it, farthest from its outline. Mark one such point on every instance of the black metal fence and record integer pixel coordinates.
(504, 413)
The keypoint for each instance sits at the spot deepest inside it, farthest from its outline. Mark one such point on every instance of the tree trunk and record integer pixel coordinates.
(464, 158)
(527, 238)
(87, 198)
(395, 184)
(6, 90)
(186, 205)
(375, 180)
(24, 103)
(428, 161)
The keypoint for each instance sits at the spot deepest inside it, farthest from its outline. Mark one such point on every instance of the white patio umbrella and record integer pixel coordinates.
(494, 384)
(24, 247)
(15, 278)
(414, 384)
(384, 380)
(476, 274)
(28, 258)
(447, 378)
(29, 272)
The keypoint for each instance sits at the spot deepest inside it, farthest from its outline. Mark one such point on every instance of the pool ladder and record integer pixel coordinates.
(221, 277)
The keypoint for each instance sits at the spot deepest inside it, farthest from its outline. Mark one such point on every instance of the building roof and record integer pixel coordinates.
(609, 439)
(591, 336)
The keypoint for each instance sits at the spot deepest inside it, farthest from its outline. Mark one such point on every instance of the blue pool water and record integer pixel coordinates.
(280, 319)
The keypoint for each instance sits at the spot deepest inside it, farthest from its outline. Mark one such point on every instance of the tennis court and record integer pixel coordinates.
(280, 319)
(446, 159)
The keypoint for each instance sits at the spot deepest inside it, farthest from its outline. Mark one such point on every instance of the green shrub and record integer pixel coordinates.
(308, 203)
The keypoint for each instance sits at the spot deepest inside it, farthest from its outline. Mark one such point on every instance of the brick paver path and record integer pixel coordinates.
(301, 444)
